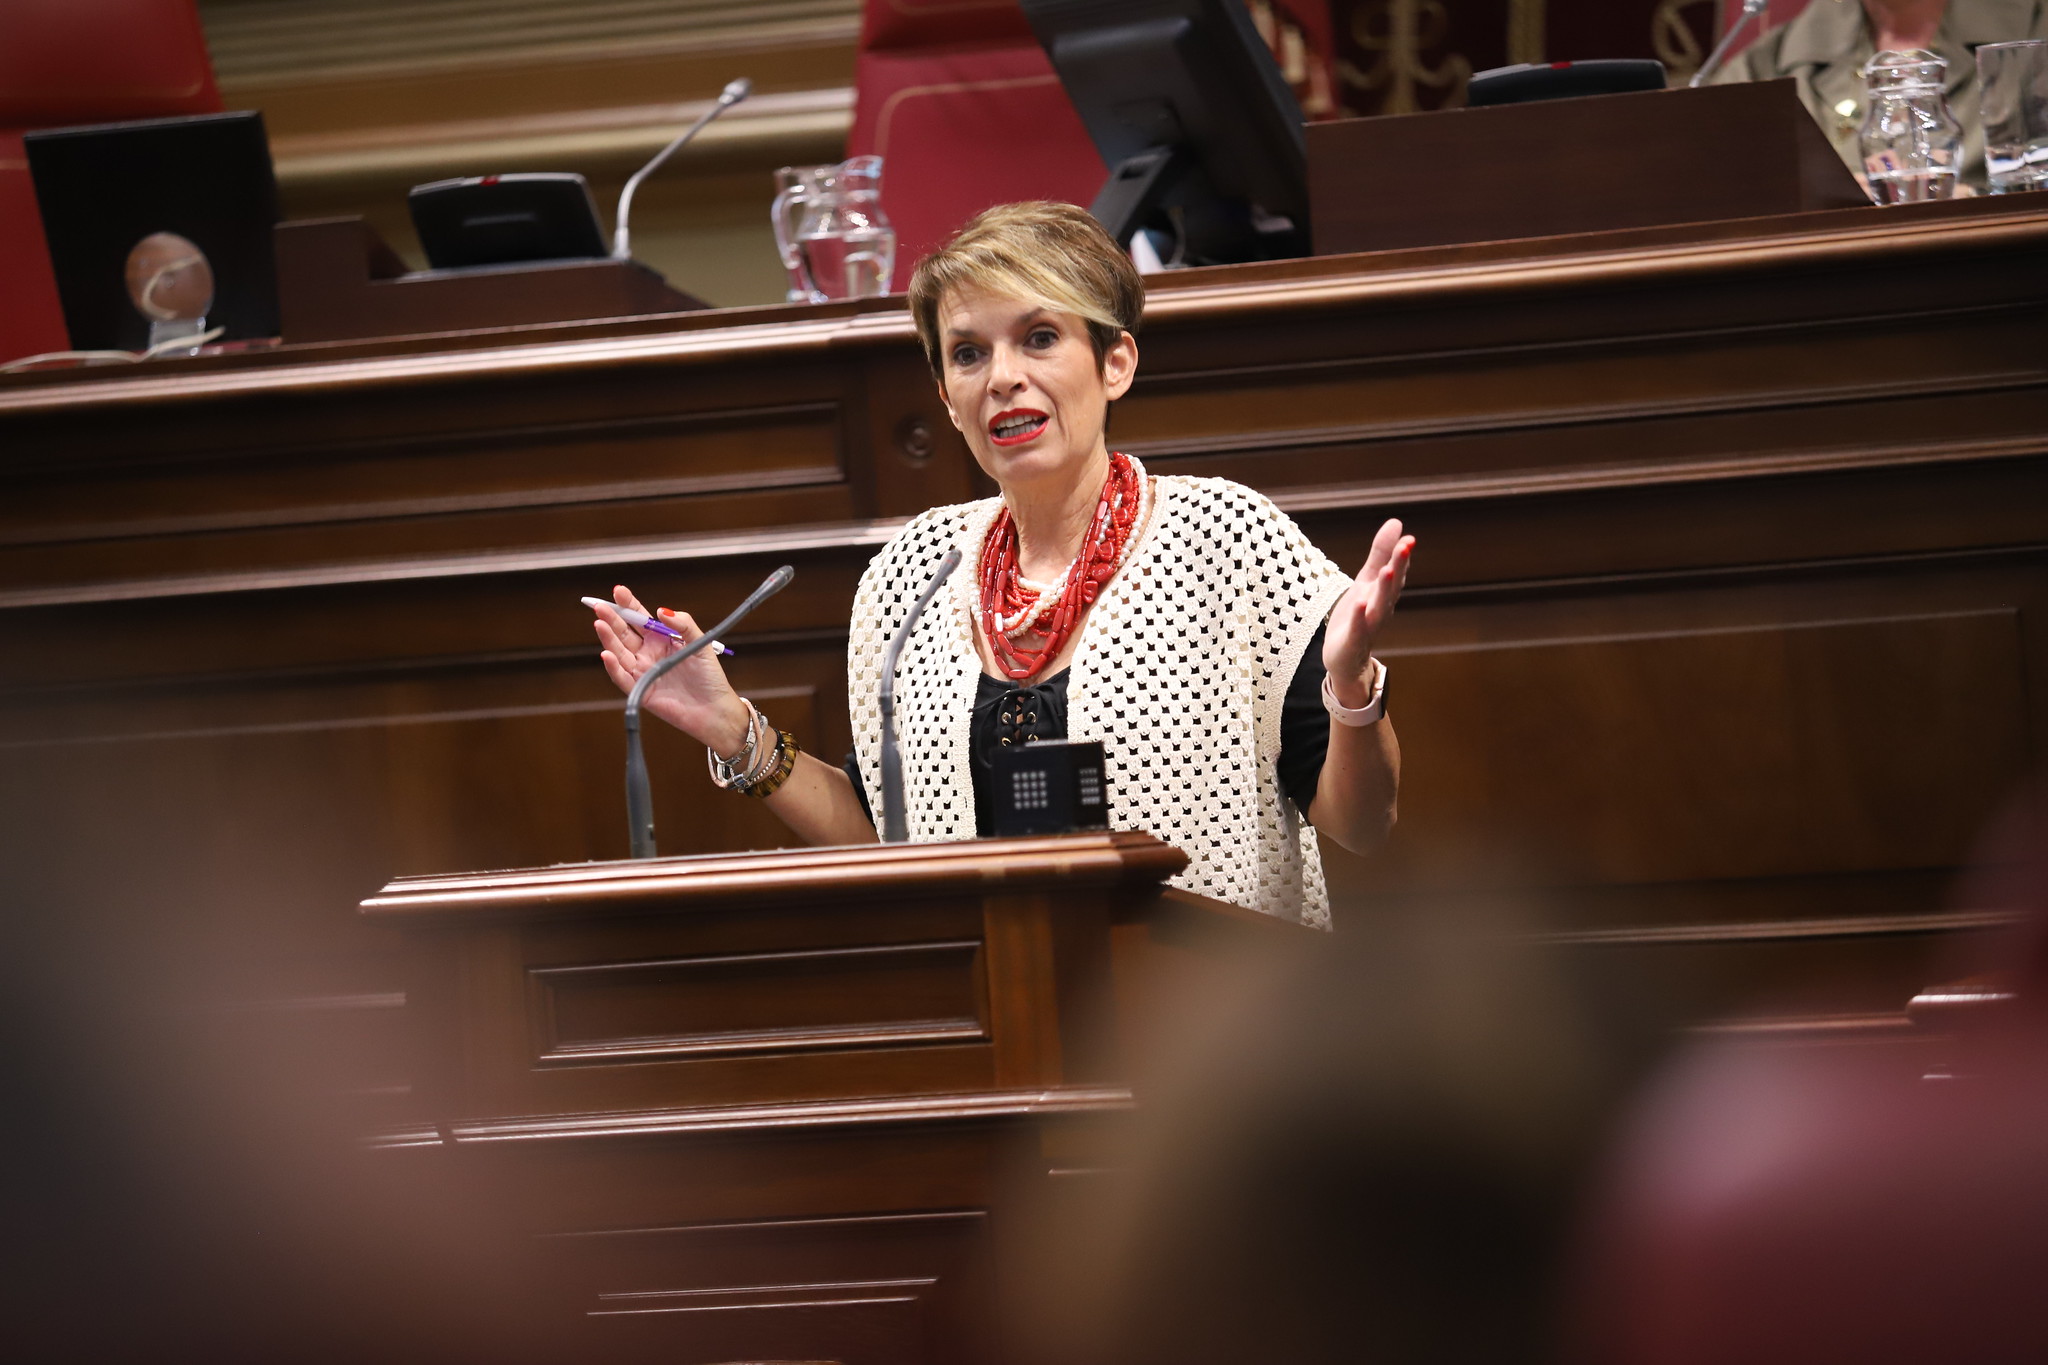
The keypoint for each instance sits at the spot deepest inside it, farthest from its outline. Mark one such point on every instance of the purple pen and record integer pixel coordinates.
(642, 622)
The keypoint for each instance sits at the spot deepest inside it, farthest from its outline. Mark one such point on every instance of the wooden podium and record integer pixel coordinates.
(774, 1106)
(338, 280)
(1657, 158)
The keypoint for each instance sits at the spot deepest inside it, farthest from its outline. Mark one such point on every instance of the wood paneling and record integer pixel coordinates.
(778, 1002)
(315, 479)
(1640, 158)
(484, 471)
(1746, 751)
(813, 979)
(1698, 516)
(1723, 640)
(875, 1003)
(884, 1288)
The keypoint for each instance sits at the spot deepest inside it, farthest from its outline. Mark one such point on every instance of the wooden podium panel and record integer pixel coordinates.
(1549, 168)
(848, 976)
(337, 280)
(794, 1095)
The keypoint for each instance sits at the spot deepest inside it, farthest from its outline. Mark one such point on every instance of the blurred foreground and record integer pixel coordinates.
(1419, 1140)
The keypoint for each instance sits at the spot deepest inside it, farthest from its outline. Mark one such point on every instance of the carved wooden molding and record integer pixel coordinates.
(1769, 931)
(1325, 284)
(971, 1107)
(577, 1011)
(805, 539)
(681, 884)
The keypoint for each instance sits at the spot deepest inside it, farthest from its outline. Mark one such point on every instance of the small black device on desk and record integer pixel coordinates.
(506, 219)
(1053, 787)
(1563, 80)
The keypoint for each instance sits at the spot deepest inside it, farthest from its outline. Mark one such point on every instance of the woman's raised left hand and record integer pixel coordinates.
(1356, 620)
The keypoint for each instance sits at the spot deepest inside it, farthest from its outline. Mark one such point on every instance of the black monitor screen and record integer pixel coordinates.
(1191, 113)
(104, 188)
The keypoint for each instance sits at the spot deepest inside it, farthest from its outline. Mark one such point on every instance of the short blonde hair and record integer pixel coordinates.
(1049, 254)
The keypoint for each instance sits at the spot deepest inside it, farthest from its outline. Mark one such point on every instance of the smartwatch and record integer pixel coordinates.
(1368, 714)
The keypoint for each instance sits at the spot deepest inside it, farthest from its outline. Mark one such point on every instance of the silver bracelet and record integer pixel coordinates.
(725, 770)
(767, 750)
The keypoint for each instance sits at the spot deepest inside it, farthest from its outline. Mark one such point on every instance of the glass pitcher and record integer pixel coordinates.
(834, 238)
(1912, 145)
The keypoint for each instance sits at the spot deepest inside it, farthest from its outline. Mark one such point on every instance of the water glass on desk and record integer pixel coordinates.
(2014, 81)
(1912, 145)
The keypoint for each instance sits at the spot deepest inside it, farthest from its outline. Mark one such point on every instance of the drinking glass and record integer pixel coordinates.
(2014, 81)
(1912, 145)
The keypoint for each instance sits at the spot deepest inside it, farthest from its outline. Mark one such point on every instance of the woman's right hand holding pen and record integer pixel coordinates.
(694, 696)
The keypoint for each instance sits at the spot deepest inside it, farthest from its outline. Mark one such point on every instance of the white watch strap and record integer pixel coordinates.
(1368, 714)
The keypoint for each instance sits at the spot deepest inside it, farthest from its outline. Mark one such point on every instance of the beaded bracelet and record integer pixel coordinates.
(785, 764)
(766, 757)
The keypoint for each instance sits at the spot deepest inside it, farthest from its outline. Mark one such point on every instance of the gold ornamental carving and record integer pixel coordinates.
(1525, 30)
(1394, 35)
(1672, 40)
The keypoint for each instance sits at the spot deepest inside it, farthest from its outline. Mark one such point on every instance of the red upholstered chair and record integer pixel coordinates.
(961, 104)
(65, 62)
(959, 100)
(30, 319)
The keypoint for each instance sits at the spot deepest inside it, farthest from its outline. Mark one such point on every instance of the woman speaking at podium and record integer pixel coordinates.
(1224, 662)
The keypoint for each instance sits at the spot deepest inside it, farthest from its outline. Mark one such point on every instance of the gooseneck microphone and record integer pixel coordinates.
(622, 239)
(895, 825)
(639, 801)
(1750, 10)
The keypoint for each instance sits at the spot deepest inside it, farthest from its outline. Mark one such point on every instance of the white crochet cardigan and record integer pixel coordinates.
(1181, 670)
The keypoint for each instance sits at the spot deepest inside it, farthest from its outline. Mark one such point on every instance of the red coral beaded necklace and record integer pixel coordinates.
(1014, 609)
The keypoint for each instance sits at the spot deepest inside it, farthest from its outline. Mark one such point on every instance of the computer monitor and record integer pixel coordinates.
(103, 188)
(1202, 136)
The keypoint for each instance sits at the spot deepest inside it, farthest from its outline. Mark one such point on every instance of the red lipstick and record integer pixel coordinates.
(1015, 426)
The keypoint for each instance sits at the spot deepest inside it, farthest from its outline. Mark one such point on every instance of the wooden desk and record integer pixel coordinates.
(1723, 640)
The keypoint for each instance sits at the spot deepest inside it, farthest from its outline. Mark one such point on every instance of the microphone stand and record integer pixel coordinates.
(639, 800)
(1750, 10)
(895, 826)
(622, 240)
